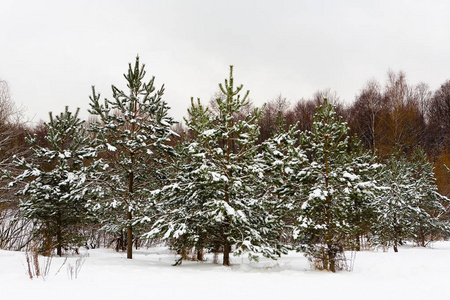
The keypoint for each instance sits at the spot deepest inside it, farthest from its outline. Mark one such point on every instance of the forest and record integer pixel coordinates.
(316, 176)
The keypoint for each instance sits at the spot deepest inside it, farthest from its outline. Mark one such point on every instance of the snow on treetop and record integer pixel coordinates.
(66, 154)
(317, 193)
(351, 177)
(209, 132)
(288, 170)
(111, 147)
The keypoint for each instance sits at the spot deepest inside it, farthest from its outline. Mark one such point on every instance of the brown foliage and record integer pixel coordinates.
(390, 118)
(441, 172)
(274, 113)
(438, 131)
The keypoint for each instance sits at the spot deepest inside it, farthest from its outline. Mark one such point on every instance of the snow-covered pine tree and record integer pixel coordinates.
(410, 207)
(331, 183)
(133, 132)
(218, 200)
(285, 160)
(397, 208)
(429, 204)
(363, 211)
(58, 181)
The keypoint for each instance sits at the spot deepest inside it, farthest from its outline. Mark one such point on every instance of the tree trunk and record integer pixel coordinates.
(58, 238)
(331, 253)
(226, 254)
(397, 234)
(200, 254)
(329, 234)
(226, 244)
(358, 242)
(129, 237)
(129, 228)
(422, 237)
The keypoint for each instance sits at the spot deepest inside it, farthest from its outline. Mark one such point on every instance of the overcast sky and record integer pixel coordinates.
(52, 52)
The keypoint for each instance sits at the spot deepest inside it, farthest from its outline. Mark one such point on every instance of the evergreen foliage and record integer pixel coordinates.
(218, 199)
(227, 188)
(132, 131)
(58, 181)
(410, 207)
(327, 187)
(285, 160)
(428, 202)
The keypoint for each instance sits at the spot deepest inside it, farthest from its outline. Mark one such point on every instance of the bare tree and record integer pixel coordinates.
(439, 117)
(274, 115)
(302, 112)
(11, 130)
(214, 109)
(423, 96)
(13, 230)
(363, 115)
(332, 98)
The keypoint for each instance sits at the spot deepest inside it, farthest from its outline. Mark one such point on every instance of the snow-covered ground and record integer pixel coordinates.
(412, 273)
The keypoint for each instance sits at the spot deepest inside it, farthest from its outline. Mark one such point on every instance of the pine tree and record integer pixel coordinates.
(219, 200)
(331, 183)
(133, 132)
(427, 201)
(410, 207)
(362, 212)
(393, 210)
(58, 181)
(285, 161)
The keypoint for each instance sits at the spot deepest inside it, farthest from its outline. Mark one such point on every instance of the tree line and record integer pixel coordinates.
(315, 176)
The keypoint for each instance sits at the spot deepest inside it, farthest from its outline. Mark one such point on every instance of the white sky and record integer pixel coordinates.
(52, 52)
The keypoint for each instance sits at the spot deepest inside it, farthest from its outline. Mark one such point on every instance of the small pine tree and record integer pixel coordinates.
(218, 199)
(334, 183)
(427, 201)
(285, 161)
(393, 212)
(362, 213)
(58, 181)
(410, 207)
(133, 133)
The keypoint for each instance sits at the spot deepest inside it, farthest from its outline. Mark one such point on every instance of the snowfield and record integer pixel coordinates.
(412, 273)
